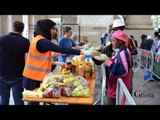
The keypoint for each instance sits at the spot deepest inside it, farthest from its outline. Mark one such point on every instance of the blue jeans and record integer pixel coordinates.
(6, 84)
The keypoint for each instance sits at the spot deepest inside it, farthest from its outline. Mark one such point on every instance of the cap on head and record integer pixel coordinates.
(120, 35)
(118, 23)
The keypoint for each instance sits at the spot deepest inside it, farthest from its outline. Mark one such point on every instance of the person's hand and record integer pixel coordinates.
(94, 53)
(82, 52)
(89, 52)
(101, 58)
(86, 46)
(55, 54)
(62, 64)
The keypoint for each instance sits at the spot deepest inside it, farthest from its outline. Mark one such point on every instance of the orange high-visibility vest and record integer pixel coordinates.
(37, 64)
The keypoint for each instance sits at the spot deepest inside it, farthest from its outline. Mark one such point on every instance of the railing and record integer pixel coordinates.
(103, 96)
(123, 96)
(147, 60)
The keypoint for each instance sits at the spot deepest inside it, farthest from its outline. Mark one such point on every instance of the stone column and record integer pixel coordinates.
(32, 24)
(137, 25)
(5, 24)
(68, 19)
(8, 24)
(32, 19)
(26, 25)
(2, 24)
(17, 18)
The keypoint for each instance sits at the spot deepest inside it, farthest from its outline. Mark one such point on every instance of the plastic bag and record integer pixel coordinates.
(83, 80)
(32, 94)
(81, 91)
(48, 77)
(57, 69)
(67, 90)
(53, 91)
(56, 93)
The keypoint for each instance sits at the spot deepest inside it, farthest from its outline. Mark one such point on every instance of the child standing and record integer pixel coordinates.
(120, 66)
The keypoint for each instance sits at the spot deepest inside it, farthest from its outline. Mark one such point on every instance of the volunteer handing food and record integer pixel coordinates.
(38, 63)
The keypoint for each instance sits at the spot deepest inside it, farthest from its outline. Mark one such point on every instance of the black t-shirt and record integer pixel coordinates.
(13, 47)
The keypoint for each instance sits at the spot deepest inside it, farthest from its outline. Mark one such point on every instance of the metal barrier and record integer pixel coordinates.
(98, 86)
(146, 62)
(156, 66)
(123, 96)
(103, 96)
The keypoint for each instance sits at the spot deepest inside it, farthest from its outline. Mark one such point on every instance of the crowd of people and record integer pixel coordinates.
(151, 43)
(24, 64)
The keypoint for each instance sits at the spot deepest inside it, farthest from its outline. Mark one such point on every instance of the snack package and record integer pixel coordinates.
(32, 94)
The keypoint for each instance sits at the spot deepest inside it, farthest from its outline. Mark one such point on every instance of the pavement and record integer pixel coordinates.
(147, 94)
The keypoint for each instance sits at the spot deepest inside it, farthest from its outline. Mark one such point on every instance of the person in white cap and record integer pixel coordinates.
(158, 44)
(118, 24)
(149, 42)
(155, 43)
(105, 41)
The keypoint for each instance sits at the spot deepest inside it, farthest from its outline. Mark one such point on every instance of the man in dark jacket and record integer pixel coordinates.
(13, 49)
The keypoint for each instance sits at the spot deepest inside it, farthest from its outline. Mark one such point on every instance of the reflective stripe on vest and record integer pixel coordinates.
(38, 57)
(37, 69)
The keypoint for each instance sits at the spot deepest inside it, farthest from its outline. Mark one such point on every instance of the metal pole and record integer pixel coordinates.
(103, 84)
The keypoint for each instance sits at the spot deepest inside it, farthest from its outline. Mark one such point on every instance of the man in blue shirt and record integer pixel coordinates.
(66, 41)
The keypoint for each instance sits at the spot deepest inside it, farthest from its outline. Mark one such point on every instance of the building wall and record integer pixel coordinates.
(137, 25)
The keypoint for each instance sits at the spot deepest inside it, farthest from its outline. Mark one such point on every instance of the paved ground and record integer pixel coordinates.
(149, 94)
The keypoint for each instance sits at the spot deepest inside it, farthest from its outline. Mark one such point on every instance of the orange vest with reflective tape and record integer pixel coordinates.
(37, 64)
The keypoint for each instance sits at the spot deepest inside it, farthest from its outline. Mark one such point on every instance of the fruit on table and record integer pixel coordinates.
(77, 83)
(84, 81)
(48, 92)
(32, 94)
(65, 72)
(65, 85)
(53, 91)
(56, 93)
(81, 91)
(67, 90)
(69, 80)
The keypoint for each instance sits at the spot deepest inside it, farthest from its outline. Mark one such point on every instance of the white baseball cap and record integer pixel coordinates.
(118, 23)
(149, 37)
